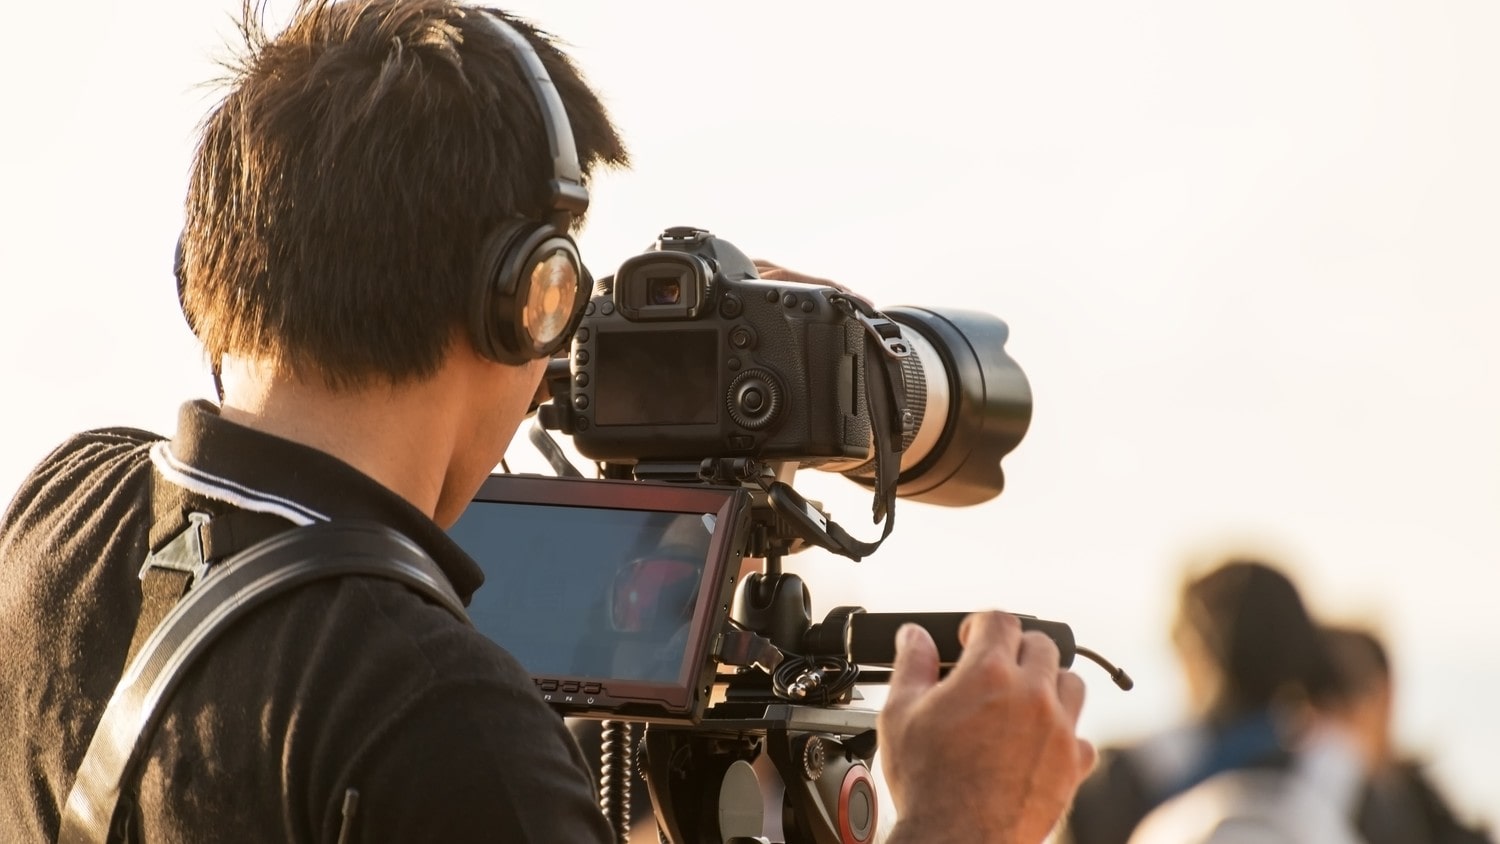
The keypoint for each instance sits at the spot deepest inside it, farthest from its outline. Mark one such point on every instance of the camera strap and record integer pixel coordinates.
(193, 542)
(890, 420)
(885, 394)
(219, 594)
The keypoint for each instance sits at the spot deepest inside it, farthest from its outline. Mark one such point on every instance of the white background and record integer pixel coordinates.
(1247, 253)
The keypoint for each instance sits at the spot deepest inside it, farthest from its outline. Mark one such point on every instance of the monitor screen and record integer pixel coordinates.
(607, 592)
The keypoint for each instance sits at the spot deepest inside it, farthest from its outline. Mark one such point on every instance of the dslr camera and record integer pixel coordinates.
(691, 355)
(686, 354)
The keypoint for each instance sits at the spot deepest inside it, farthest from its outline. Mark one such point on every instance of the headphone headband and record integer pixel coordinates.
(569, 197)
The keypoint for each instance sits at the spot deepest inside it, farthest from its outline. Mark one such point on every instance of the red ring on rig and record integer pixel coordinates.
(859, 786)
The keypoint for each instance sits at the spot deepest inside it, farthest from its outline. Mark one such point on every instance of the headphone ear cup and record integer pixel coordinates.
(530, 293)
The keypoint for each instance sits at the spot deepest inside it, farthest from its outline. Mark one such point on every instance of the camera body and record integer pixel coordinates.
(689, 354)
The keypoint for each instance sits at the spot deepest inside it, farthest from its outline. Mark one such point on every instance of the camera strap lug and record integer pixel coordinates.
(887, 334)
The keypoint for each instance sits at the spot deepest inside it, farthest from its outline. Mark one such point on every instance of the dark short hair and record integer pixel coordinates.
(342, 188)
(1360, 657)
(1255, 627)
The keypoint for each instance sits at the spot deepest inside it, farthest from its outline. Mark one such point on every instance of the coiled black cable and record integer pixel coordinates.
(815, 680)
(616, 764)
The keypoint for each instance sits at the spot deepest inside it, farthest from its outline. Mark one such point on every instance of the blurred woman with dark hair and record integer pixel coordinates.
(1258, 672)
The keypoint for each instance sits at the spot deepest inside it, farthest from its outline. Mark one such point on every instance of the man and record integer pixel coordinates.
(356, 207)
(1400, 802)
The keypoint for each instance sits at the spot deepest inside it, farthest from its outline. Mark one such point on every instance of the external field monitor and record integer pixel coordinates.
(610, 593)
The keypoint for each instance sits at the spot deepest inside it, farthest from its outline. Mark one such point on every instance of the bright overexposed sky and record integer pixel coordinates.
(1247, 254)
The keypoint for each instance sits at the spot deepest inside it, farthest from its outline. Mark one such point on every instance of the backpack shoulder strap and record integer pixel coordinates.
(233, 588)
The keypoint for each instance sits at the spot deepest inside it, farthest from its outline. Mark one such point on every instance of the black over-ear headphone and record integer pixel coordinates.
(531, 286)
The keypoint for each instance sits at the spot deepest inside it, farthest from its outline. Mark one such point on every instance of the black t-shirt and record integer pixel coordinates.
(344, 683)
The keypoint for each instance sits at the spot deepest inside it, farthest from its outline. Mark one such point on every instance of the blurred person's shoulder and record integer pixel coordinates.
(1248, 806)
(1128, 782)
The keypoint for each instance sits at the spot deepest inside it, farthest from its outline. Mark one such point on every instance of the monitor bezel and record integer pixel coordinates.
(684, 700)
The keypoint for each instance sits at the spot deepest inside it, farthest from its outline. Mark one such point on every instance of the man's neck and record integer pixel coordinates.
(393, 433)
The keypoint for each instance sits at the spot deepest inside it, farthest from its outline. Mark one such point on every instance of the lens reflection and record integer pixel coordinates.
(664, 291)
(653, 593)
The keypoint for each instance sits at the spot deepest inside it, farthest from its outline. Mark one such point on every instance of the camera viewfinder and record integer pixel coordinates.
(662, 286)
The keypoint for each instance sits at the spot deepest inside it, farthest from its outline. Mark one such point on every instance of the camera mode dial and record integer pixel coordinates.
(755, 399)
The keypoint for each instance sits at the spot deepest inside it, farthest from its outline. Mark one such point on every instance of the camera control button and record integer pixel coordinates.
(581, 402)
(807, 306)
(733, 364)
(755, 399)
(580, 379)
(607, 308)
(588, 310)
(582, 335)
(731, 307)
(581, 357)
(789, 300)
(741, 337)
(772, 296)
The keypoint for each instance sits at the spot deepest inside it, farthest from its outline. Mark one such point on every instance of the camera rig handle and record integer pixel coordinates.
(869, 639)
(771, 629)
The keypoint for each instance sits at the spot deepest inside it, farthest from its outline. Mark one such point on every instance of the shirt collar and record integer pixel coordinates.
(214, 457)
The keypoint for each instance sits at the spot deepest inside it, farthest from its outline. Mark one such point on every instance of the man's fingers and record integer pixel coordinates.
(989, 630)
(1070, 691)
(1088, 756)
(775, 272)
(915, 669)
(1039, 653)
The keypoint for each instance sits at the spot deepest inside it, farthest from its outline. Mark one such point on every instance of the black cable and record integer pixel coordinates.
(816, 680)
(1116, 674)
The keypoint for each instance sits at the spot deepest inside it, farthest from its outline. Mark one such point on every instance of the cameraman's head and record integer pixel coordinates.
(344, 189)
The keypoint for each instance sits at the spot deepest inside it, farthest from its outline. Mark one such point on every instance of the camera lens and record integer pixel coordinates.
(664, 290)
(971, 405)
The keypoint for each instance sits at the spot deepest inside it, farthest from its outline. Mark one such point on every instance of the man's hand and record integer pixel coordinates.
(989, 753)
(775, 272)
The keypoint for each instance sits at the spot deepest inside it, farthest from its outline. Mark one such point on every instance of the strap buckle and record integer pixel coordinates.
(183, 553)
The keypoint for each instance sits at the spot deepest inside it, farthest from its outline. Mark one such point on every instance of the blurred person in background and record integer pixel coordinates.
(1400, 804)
(1259, 676)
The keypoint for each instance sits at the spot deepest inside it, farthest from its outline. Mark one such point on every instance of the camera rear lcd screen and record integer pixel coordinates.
(587, 591)
(657, 378)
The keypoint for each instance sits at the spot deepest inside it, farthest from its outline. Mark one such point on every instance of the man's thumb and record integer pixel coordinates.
(916, 667)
